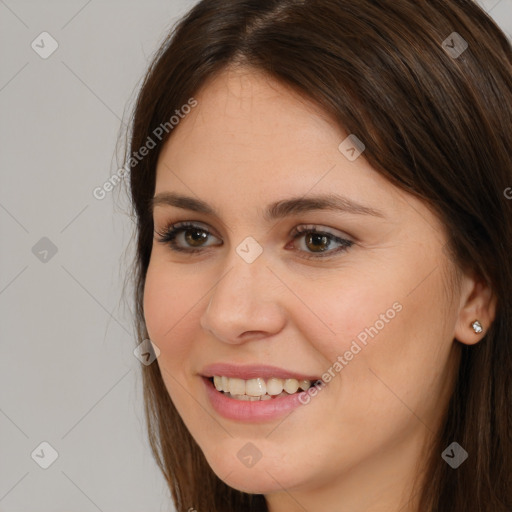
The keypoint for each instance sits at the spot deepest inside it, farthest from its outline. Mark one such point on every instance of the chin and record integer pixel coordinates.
(263, 477)
(255, 481)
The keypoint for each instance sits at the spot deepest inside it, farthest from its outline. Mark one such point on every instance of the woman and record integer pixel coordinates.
(323, 259)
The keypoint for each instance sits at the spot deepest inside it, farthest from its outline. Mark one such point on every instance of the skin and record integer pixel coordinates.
(358, 444)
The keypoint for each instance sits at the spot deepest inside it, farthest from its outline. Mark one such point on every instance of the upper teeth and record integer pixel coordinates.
(259, 387)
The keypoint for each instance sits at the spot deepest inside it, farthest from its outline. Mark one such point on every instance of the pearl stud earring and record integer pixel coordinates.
(477, 327)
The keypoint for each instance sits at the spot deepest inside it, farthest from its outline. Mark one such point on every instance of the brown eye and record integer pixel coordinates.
(310, 242)
(316, 242)
(186, 237)
(195, 237)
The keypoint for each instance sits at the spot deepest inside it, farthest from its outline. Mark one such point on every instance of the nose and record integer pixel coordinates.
(245, 304)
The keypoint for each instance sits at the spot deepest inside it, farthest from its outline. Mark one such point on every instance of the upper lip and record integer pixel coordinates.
(252, 371)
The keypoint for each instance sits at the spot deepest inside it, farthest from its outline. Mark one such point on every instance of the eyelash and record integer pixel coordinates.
(170, 233)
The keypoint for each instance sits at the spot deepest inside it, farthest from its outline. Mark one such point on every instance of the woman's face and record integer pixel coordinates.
(363, 299)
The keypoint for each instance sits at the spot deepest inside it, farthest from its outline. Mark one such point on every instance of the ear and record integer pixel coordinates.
(477, 302)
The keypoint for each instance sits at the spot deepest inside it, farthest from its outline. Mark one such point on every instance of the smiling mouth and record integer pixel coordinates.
(259, 389)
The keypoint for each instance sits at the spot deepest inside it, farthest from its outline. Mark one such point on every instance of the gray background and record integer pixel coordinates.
(68, 375)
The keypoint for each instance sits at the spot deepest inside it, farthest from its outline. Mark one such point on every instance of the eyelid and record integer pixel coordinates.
(296, 230)
(316, 228)
(186, 224)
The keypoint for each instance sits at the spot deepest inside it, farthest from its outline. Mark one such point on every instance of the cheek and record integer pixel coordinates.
(334, 314)
(404, 369)
(379, 332)
(169, 301)
(170, 312)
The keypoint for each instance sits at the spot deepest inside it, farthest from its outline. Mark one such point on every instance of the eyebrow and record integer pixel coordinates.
(277, 210)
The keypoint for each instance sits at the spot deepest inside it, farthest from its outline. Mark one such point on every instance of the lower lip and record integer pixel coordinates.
(241, 410)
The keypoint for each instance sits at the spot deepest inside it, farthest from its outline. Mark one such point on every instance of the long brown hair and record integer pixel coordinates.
(435, 124)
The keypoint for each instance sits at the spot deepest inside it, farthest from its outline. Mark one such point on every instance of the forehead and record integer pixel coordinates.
(252, 138)
(247, 115)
